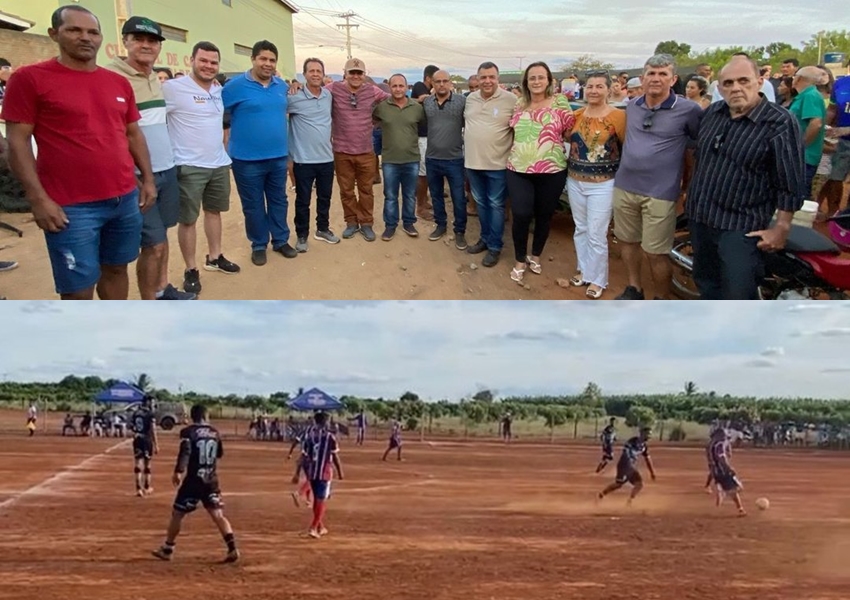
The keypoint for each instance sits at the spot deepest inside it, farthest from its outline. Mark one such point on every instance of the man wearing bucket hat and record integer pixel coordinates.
(143, 40)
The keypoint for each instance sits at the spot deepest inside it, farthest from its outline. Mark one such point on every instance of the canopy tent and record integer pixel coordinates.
(315, 399)
(120, 392)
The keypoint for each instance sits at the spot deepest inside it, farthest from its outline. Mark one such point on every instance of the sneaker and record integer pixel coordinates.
(287, 251)
(148, 491)
(349, 232)
(301, 245)
(7, 265)
(326, 236)
(163, 553)
(388, 234)
(314, 533)
(323, 530)
(477, 248)
(460, 241)
(232, 556)
(410, 230)
(296, 500)
(139, 493)
(192, 281)
(438, 233)
(258, 257)
(222, 265)
(491, 259)
(172, 293)
(368, 233)
(630, 293)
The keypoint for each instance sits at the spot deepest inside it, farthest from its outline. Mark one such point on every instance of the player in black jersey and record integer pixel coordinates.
(195, 474)
(627, 471)
(143, 424)
(608, 437)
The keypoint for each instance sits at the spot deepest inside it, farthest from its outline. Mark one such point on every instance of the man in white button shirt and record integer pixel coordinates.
(195, 125)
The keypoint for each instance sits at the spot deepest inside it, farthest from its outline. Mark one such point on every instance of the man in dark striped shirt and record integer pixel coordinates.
(749, 163)
(318, 452)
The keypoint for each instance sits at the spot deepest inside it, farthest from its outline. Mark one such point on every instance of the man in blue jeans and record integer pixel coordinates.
(488, 138)
(312, 154)
(83, 191)
(400, 118)
(257, 103)
(444, 156)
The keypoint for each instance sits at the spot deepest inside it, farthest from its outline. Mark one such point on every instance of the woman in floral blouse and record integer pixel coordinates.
(595, 147)
(537, 165)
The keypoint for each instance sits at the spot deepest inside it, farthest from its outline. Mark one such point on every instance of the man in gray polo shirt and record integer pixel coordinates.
(444, 156)
(659, 128)
(311, 151)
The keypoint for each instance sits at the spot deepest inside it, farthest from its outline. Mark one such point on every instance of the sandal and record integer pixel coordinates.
(534, 266)
(596, 294)
(517, 274)
(577, 281)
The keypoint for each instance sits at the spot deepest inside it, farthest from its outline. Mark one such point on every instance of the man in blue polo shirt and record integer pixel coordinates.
(257, 103)
(312, 154)
(839, 117)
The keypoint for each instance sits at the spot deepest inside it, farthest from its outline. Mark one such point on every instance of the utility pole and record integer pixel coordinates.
(521, 58)
(820, 46)
(348, 26)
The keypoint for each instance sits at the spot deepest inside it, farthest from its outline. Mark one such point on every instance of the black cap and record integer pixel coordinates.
(142, 25)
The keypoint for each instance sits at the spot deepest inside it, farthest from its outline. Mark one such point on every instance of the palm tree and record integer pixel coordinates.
(143, 382)
(690, 388)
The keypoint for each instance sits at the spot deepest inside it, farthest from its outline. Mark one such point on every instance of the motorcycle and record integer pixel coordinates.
(809, 267)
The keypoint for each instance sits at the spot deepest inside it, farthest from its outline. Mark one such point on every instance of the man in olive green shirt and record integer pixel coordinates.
(399, 117)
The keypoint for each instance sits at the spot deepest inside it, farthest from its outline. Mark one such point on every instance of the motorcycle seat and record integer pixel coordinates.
(806, 239)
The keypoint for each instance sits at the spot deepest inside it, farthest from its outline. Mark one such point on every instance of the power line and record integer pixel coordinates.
(348, 26)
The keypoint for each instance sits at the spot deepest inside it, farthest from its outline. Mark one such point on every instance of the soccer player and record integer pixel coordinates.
(608, 437)
(304, 489)
(145, 445)
(627, 471)
(195, 474)
(723, 473)
(318, 452)
(507, 421)
(395, 440)
(32, 419)
(360, 422)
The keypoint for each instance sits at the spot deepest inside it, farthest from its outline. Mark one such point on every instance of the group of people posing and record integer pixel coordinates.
(127, 157)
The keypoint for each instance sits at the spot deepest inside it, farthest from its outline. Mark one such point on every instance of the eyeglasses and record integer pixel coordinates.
(353, 99)
(647, 121)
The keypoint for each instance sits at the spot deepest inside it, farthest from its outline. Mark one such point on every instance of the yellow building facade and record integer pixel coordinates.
(232, 25)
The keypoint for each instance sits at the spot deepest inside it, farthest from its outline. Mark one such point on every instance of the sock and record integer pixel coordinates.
(168, 547)
(304, 490)
(318, 513)
(159, 294)
(230, 541)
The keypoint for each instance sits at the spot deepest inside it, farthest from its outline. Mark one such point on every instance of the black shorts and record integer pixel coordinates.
(608, 453)
(142, 448)
(193, 492)
(728, 481)
(628, 474)
(395, 443)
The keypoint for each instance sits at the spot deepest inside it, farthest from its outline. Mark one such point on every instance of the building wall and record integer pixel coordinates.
(243, 23)
(25, 48)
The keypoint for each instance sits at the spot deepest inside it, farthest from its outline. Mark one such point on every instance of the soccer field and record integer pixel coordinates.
(453, 521)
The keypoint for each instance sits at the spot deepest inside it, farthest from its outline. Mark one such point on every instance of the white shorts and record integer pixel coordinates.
(423, 146)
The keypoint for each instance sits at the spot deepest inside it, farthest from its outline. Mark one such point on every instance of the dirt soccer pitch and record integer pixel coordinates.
(453, 521)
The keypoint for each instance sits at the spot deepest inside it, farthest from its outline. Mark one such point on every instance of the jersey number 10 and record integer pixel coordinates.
(207, 452)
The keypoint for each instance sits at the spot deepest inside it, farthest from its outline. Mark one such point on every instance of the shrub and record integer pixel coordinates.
(677, 434)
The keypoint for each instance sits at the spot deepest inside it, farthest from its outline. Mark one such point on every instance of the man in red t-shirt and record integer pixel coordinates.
(83, 187)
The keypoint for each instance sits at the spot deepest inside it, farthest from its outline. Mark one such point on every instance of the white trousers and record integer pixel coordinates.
(592, 205)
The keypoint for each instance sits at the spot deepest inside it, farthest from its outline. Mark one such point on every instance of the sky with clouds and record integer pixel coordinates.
(460, 34)
(437, 349)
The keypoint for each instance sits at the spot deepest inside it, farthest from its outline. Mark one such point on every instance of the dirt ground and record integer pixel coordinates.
(453, 520)
(403, 269)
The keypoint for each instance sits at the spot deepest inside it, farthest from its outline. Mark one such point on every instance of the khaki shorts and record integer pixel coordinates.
(199, 186)
(423, 147)
(645, 220)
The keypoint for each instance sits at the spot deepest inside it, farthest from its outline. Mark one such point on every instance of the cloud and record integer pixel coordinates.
(774, 351)
(97, 364)
(807, 308)
(835, 370)
(244, 371)
(562, 335)
(345, 378)
(760, 363)
(834, 332)
(133, 350)
(41, 307)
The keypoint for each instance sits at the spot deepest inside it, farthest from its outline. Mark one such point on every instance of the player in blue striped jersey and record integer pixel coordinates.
(318, 452)
(722, 472)
(303, 490)
(627, 471)
(608, 437)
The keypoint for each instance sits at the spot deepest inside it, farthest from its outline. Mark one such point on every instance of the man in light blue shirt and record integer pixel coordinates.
(312, 154)
(257, 103)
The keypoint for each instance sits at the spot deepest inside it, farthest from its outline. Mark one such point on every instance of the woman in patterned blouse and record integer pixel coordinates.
(537, 164)
(595, 146)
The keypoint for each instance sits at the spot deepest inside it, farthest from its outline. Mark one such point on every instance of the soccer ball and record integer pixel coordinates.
(763, 503)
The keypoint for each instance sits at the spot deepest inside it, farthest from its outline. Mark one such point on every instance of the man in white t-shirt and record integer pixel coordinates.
(195, 124)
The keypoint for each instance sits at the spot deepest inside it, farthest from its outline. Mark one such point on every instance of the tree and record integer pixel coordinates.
(144, 382)
(485, 396)
(473, 412)
(585, 62)
(673, 48)
(554, 415)
(409, 396)
(690, 388)
(640, 416)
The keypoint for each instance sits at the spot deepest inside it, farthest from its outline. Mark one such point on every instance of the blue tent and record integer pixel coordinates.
(121, 392)
(315, 399)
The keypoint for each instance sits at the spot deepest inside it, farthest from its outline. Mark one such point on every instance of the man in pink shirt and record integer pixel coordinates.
(354, 156)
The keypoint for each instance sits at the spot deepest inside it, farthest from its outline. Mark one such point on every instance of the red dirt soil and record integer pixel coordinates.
(453, 520)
